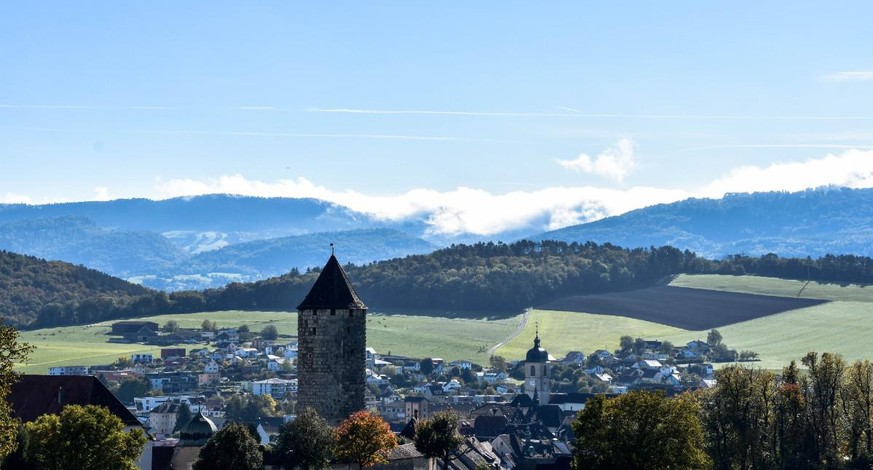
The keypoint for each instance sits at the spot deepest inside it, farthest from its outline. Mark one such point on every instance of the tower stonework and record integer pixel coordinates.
(331, 350)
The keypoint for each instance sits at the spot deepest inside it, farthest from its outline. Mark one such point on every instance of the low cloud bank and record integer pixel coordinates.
(475, 211)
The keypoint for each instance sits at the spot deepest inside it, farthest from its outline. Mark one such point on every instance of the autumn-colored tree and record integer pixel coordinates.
(738, 418)
(439, 436)
(364, 438)
(82, 438)
(821, 393)
(857, 401)
(11, 352)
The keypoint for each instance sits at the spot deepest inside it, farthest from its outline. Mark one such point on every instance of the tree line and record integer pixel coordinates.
(819, 416)
(483, 277)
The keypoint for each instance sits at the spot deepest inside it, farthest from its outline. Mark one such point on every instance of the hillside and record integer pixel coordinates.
(199, 242)
(79, 240)
(809, 223)
(261, 259)
(841, 325)
(30, 285)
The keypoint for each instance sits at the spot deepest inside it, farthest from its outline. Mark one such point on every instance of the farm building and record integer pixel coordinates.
(135, 330)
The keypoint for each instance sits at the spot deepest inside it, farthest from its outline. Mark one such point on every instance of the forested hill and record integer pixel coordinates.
(29, 285)
(806, 223)
(487, 278)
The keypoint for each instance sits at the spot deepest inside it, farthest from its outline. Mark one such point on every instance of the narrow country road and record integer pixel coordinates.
(512, 335)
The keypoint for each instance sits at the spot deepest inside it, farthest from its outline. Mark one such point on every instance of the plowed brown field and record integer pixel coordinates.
(690, 309)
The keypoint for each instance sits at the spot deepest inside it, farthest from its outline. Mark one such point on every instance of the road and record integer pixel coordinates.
(512, 336)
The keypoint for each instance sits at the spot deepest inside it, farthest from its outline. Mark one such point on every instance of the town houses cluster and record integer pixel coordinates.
(515, 412)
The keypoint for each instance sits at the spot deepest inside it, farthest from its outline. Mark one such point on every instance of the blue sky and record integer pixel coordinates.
(479, 116)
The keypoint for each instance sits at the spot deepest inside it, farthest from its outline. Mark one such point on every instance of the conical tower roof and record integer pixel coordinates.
(332, 289)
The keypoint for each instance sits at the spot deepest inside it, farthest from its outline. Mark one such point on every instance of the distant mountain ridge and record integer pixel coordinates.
(209, 241)
(808, 223)
(199, 242)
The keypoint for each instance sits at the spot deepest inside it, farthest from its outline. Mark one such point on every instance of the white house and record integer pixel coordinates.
(276, 388)
(142, 357)
(70, 370)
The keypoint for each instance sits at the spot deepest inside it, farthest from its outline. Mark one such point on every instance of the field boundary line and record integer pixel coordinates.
(521, 325)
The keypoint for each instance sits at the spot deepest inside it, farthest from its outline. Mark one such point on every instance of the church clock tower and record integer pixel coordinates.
(537, 370)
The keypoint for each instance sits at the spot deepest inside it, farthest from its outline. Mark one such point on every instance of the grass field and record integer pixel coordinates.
(777, 287)
(414, 335)
(844, 325)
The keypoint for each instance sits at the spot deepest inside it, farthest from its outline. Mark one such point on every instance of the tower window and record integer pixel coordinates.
(533, 371)
(312, 330)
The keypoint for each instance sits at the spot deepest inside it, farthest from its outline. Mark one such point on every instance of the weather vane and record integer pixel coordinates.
(331, 249)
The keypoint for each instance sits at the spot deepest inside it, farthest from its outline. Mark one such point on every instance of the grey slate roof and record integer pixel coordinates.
(332, 289)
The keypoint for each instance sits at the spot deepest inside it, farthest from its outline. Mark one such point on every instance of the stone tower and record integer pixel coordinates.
(332, 338)
(537, 383)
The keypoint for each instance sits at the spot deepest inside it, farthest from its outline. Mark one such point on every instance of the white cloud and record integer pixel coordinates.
(853, 169)
(613, 163)
(101, 193)
(849, 76)
(476, 211)
(12, 198)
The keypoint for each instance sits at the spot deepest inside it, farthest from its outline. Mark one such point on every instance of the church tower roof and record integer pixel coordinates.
(332, 289)
(537, 353)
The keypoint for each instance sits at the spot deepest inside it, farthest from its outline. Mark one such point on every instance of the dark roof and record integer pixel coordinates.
(332, 289)
(523, 400)
(403, 451)
(166, 407)
(536, 353)
(408, 431)
(162, 457)
(550, 415)
(36, 395)
(489, 426)
(197, 431)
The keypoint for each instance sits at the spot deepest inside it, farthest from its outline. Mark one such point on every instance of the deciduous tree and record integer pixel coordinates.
(232, 448)
(270, 332)
(12, 351)
(82, 438)
(307, 442)
(438, 437)
(639, 430)
(364, 438)
(132, 388)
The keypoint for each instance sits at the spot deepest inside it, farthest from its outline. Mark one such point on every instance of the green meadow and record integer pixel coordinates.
(844, 325)
(412, 335)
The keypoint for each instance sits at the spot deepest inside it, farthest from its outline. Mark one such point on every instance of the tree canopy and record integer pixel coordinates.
(82, 438)
(364, 438)
(12, 351)
(438, 437)
(233, 447)
(639, 430)
(307, 442)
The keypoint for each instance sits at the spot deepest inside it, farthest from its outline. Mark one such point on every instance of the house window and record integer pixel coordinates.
(533, 371)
